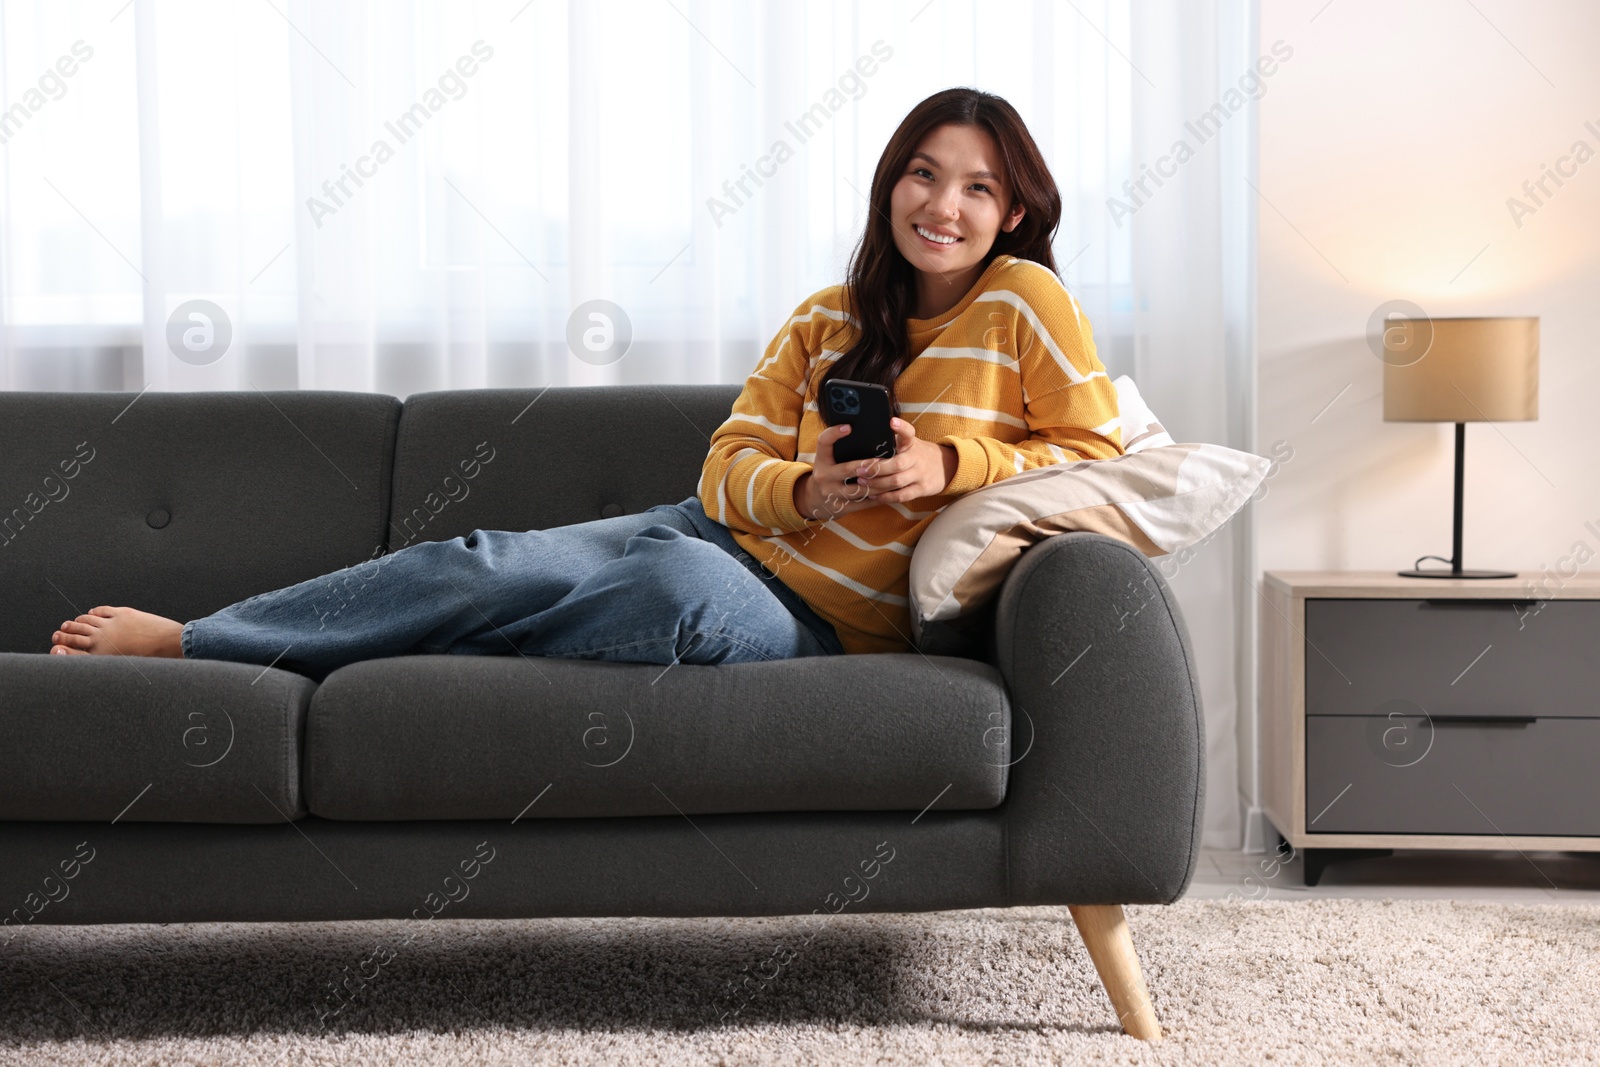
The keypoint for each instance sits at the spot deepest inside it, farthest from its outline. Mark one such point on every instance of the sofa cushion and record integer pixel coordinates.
(508, 737)
(109, 738)
(531, 459)
(182, 503)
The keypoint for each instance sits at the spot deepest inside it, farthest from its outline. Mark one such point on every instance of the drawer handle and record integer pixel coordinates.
(1475, 720)
(1468, 602)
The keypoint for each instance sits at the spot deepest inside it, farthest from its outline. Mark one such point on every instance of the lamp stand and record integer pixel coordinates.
(1455, 570)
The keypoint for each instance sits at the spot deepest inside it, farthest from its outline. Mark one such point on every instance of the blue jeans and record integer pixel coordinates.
(667, 585)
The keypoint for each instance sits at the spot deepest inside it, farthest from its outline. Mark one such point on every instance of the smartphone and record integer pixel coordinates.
(866, 408)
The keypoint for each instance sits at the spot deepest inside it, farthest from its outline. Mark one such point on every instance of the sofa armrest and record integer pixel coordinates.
(1107, 787)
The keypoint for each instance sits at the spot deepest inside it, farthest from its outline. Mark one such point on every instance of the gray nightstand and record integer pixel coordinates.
(1430, 713)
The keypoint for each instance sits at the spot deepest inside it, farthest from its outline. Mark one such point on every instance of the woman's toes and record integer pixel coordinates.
(73, 635)
(79, 626)
(103, 611)
(63, 650)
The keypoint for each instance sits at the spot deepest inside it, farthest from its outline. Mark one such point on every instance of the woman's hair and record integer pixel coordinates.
(880, 289)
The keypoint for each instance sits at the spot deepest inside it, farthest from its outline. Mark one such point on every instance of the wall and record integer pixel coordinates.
(1389, 146)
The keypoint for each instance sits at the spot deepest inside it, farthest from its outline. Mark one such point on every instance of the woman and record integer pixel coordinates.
(951, 301)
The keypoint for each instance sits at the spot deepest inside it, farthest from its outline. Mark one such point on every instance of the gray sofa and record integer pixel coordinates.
(1061, 762)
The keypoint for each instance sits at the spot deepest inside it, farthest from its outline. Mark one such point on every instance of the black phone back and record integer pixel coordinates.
(865, 407)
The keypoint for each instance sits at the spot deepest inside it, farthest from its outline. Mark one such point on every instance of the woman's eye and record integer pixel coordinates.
(980, 185)
(923, 170)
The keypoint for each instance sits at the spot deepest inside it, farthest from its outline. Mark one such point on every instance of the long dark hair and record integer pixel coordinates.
(880, 289)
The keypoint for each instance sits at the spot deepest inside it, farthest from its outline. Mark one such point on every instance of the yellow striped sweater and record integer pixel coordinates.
(1009, 377)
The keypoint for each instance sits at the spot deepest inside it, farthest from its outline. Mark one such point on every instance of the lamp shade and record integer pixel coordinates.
(1461, 370)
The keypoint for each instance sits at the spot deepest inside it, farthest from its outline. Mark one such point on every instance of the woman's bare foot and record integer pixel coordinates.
(119, 632)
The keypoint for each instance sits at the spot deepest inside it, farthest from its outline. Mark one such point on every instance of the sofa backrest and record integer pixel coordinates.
(182, 503)
(530, 459)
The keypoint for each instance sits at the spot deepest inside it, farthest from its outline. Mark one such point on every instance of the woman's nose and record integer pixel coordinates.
(943, 203)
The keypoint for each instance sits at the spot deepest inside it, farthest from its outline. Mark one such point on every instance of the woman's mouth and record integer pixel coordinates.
(933, 240)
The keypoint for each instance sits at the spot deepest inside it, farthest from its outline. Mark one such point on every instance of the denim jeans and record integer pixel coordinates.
(667, 585)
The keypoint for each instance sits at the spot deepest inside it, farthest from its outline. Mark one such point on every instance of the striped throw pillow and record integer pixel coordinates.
(1140, 427)
(1159, 497)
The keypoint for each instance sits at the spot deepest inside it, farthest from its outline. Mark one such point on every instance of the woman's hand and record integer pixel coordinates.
(918, 468)
(822, 493)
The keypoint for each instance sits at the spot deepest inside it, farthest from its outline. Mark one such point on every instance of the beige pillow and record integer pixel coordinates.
(1159, 499)
(1140, 427)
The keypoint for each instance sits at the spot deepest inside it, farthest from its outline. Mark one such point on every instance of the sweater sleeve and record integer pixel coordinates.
(747, 481)
(1071, 406)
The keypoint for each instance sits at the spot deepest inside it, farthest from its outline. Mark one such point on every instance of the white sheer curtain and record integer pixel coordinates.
(401, 196)
(1196, 77)
(398, 197)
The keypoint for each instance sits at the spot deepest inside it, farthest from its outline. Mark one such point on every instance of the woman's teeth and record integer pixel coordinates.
(934, 237)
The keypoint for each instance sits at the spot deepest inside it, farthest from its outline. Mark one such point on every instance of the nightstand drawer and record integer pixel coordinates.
(1452, 657)
(1367, 774)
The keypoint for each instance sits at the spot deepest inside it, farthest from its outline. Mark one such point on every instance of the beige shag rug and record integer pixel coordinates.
(1319, 981)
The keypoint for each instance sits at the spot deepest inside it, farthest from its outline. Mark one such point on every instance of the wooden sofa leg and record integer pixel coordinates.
(1104, 930)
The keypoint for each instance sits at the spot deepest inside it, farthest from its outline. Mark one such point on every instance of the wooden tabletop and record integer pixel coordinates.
(1542, 584)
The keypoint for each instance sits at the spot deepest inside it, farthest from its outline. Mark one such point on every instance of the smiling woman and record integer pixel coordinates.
(952, 303)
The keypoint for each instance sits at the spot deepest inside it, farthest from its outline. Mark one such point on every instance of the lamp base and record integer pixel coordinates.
(1456, 574)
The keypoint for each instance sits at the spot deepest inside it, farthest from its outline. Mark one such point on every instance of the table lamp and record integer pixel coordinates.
(1460, 370)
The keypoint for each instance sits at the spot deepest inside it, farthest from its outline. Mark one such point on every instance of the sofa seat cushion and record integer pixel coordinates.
(108, 738)
(510, 737)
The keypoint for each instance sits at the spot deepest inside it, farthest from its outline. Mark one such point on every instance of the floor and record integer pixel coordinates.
(1414, 874)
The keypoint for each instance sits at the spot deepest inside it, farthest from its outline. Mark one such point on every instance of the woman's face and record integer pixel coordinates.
(952, 187)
